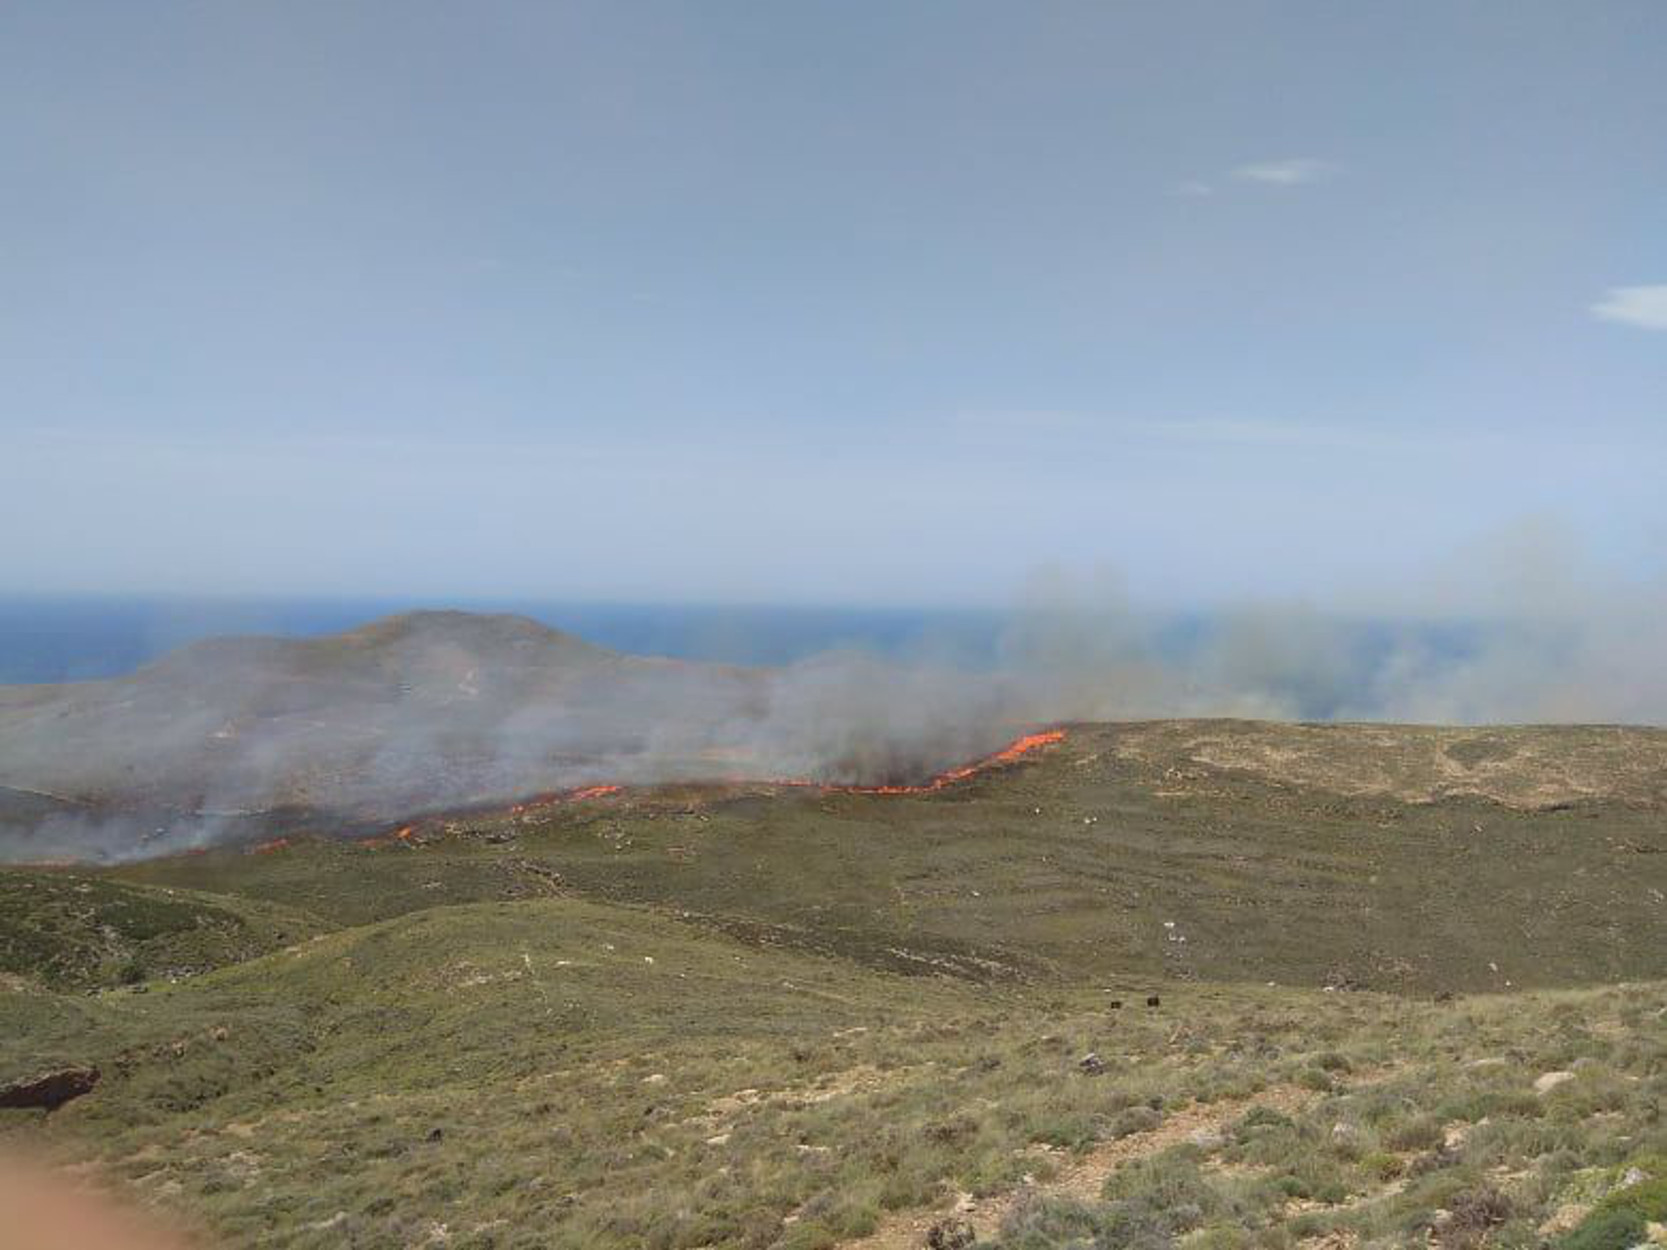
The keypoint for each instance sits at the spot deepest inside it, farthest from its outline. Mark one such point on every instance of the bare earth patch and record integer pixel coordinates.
(1082, 1177)
(1528, 767)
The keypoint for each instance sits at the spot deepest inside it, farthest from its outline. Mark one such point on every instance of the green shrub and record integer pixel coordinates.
(1382, 1165)
(1648, 1198)
(1259, 1120)
(1135, 1120)
(1614, 1229)
(1423, 1133)
(1317, 1079)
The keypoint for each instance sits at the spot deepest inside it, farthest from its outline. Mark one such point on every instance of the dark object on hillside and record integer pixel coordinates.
(1437, 1160)
(1152, 1000)
(1337, 979)
(436, 1134)
(1091, 1064)
(1116, 1004)
(1471, 1217)
(950, 1234)
(1444, 996)
(50, 1090)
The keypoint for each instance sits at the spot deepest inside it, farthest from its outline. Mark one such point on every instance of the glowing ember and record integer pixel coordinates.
(1014, 750)
(405, 835)
(1009, 753)
(565, 796)
(595, 792)
(266, 848)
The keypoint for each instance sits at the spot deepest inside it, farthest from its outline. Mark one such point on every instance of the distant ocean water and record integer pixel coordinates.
(51, 639)
(1312, 671)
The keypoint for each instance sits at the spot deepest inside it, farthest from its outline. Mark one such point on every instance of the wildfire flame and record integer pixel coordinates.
(565, 796)
(1012, 751)
(595, 792)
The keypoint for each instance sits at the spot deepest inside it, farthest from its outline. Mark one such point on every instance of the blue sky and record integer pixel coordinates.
(830, 302)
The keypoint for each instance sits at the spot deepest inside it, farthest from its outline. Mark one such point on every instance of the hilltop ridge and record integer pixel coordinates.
(246, 738)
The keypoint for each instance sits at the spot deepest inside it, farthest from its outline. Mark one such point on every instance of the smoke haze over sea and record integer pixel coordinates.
(58, 639)
(129, 723)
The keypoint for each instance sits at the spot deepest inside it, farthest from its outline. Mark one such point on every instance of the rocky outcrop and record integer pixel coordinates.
(49, 1090)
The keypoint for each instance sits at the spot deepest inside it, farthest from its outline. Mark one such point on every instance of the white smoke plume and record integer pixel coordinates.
(238, 738)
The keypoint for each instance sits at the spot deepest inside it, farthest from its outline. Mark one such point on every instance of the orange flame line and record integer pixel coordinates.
(1012, 751)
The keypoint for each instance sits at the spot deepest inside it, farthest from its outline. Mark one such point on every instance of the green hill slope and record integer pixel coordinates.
(72, 930)
(773, 1016)
(554, 1072)
(1117, 852)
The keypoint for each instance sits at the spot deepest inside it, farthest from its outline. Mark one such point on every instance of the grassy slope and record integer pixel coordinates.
(707, 1038)
(1067, 868)
(72, 930)
(586, 1096)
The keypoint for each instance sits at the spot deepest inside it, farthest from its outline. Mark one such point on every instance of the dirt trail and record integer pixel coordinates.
(46, 1209)
(1080, 1177)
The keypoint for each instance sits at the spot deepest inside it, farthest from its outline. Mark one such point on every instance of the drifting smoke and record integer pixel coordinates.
(1522, 630)
(244, 738)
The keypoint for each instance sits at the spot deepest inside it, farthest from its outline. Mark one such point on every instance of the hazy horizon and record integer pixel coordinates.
(828, 304)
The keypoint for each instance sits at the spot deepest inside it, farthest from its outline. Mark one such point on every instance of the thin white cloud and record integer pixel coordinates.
(1193, 188)
(1294, 171)
(1644, 306)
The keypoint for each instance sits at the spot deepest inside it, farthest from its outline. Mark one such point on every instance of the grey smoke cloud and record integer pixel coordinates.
(239, 738)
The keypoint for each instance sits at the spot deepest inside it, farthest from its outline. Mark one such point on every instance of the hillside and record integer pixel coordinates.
(381, 720)
(239, 739)
(1120, 849)
(1411, 987)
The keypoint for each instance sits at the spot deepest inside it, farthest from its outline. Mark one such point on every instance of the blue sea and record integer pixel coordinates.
(1315, 676)
(52, 639)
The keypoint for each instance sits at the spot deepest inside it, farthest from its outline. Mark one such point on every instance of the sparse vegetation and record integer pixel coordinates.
(692, 1020)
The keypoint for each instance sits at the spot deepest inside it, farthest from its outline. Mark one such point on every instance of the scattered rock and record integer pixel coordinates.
(1152, 1000)
(1207, 1139)
(436, 1134)
(1551, 1080)
(50, 1090)
(1091, 1064)
(950, 1234)
(1565, 1218)
(654, 1078)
